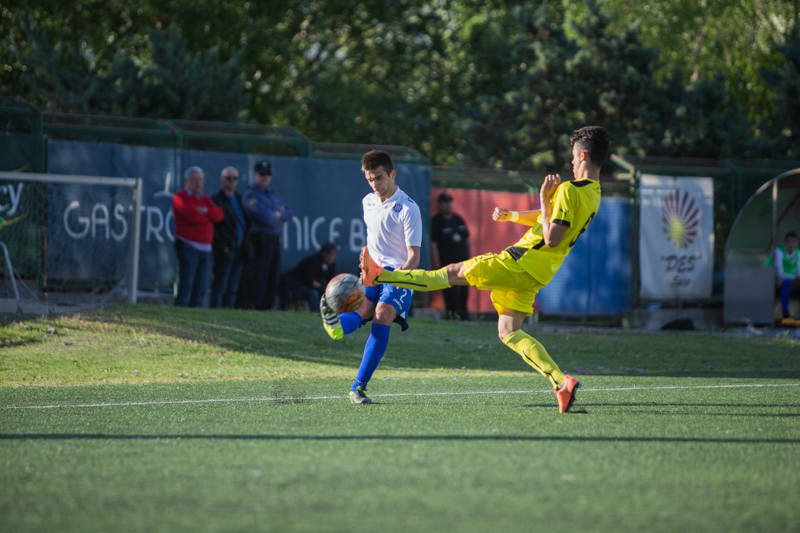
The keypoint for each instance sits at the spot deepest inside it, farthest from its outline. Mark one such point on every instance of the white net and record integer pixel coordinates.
(69, 238)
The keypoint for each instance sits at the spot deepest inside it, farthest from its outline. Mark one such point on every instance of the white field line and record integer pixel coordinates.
(307, 398)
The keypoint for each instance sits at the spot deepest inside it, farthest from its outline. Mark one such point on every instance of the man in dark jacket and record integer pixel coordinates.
(450, 239)
(230, 247)
(310, 276)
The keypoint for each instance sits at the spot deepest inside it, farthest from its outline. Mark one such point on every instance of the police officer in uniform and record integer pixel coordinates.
(267, 213)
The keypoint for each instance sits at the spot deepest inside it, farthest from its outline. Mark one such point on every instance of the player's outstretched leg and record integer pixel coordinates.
(330, 320)
(566, 393)
(417, 280)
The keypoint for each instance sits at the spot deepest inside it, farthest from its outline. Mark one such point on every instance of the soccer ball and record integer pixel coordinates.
(344, 293)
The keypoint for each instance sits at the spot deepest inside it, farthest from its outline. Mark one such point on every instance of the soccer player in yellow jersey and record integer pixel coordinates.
(515, 275)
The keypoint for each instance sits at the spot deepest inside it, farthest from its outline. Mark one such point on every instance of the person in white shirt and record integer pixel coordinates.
(394, 237)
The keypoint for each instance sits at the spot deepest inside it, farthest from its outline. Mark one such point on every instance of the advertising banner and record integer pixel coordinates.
(676, 237)
(324, 194)
(595, 279)
(89, 222)
(87, 232)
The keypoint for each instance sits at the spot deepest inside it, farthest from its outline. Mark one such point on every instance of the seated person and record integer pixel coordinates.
(788, 282)
(308, 279)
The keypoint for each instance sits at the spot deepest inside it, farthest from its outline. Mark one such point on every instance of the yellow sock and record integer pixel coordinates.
(418, 280)
(535, 355)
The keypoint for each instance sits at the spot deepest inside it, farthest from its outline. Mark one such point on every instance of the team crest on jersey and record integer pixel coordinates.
(398, 207)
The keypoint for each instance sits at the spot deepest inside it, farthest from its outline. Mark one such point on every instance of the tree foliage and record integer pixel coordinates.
(170, 84)
(784, 132)
(489, 83)
(518, 123)
(706, 37)
(592, 73)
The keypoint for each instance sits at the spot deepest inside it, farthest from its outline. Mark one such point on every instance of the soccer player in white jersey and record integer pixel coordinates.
(394, 236)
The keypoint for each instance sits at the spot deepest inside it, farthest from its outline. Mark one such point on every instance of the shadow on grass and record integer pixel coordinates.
(288, 335)
(741, 415)
(298, 336)
(698, 404)
(700, 373)
(466, 438)
(667, 409)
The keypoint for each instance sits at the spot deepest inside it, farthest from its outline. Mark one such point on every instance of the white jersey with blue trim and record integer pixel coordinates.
(392, 226)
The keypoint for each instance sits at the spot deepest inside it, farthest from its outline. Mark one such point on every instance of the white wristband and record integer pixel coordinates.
(514, 216)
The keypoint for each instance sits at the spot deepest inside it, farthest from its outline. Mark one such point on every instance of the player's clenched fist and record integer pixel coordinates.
(501, 214)
(551, 183)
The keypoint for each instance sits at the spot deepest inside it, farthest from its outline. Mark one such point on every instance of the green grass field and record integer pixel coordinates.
(161, 419)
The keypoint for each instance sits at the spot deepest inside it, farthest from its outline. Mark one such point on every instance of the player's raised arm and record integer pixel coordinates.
(551, 233)
(526, 218)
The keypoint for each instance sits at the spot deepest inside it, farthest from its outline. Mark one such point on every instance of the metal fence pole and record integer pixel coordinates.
(10, 270)
(136, 233)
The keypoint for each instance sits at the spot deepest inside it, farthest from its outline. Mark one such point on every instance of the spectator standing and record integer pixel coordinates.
(230, 247)
(310, 276)
(450, 239)
(194, 214)
(267, 214)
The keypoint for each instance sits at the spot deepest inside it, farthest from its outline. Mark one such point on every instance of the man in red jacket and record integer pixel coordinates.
(194, 214)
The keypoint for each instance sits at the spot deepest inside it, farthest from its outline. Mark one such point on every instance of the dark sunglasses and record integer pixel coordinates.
(234, 178)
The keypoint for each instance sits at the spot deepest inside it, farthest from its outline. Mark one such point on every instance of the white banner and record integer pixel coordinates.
(676, 237)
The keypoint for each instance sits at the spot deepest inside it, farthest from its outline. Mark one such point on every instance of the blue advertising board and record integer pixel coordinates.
(596, 276)
(324, 194)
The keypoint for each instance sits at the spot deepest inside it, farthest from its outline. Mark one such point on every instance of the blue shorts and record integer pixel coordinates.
(398, 298)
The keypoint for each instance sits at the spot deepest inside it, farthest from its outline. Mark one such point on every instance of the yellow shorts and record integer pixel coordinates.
(512, 287)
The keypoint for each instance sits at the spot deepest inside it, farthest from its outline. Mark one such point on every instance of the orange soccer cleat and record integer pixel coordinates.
(566, 393)
(369, 269)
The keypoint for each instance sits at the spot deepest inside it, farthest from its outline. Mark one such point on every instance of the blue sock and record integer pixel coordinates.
(350, 322)
(373, 352)
(786, 293)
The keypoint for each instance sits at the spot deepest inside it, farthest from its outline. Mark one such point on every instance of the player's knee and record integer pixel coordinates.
(383, 315)
(383, 319)
(366, 310)
(505, 331)
(456, 273)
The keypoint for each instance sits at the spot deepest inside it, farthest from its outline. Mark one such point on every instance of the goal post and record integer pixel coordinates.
(35, 225)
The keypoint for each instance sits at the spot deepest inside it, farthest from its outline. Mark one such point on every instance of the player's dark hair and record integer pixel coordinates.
(377, 158)
(789, 234)
(591, 139)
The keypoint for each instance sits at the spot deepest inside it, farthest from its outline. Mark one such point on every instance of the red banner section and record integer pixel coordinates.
(486, 235)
